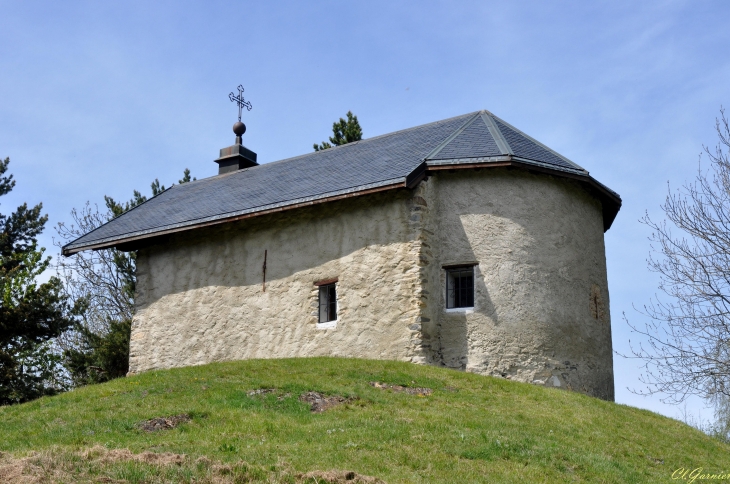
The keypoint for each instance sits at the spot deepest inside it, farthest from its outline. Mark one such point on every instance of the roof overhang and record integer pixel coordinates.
(610, 201)
(135, 241)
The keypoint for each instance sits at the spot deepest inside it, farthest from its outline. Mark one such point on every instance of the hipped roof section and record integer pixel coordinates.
(395, 160)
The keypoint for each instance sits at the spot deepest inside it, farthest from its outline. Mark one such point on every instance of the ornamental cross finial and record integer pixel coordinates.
(242, 103)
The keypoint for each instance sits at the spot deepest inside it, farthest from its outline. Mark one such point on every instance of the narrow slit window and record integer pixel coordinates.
(327, 303)
(460, 287)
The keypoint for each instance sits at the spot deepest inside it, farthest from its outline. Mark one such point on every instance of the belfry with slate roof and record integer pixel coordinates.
(462, 243)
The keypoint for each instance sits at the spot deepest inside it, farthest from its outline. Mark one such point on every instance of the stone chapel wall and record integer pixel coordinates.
(541, 311)
(200, 296)
(541, 293)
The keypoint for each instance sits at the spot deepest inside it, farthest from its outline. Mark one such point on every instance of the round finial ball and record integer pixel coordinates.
(239, 128)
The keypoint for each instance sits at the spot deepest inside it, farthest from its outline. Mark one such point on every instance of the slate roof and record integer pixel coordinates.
(390, 160)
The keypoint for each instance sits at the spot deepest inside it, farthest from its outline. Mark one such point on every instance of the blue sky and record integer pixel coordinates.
(100, 98)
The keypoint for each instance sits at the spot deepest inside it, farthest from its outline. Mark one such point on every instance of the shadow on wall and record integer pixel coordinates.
(296, 241)
(539, 245)
(507, 225)
(453, 327)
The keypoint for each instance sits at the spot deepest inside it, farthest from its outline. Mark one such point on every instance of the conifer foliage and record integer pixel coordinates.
(31, 313)
(103, 282)
(344, 131)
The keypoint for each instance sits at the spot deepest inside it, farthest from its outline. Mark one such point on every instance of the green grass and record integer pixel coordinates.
(471, 429)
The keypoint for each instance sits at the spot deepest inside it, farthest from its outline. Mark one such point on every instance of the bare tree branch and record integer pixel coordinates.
(104, 279)
(688, 338)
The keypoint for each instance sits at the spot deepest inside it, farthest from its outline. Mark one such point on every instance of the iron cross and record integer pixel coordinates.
(242, 103)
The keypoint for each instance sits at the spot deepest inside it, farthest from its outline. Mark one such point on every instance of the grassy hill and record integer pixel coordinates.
(246, 422)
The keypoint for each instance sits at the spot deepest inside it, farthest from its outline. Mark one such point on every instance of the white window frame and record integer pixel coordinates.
(323, 291)
(449, 270)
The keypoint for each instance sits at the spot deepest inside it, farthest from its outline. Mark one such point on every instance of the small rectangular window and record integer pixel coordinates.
(327, 303)
(460, 287)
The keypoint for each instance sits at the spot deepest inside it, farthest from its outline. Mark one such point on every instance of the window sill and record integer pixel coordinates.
(459, 310)
(327, 325)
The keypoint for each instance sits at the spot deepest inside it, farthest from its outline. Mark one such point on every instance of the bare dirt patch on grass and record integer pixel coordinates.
(423, 392)
(338, 477)
(261, 391)
(163, 423)
(266, 391)
(106, 456)
(319, 403)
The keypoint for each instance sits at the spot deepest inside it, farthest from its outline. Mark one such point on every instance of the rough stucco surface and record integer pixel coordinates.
(201, 299)
(541, 293)
(541, 302)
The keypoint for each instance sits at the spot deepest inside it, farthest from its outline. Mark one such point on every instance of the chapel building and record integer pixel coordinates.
(462, 243)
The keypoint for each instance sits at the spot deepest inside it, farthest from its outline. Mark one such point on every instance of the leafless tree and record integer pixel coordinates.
(687, 341)
(104, 279)
(102, 284)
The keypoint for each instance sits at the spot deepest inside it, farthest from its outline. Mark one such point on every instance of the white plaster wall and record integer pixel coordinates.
(200, 296)
(541, 306)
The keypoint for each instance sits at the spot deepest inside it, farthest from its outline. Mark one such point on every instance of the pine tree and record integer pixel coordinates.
(186, 177)
(103, 283)
(344, 131)
(31, 313)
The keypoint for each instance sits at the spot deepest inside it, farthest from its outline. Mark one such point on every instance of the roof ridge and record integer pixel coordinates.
(413, 128)
(522, 133)
(387, 161)
(494, 130)
(451, 137)
(392, 133)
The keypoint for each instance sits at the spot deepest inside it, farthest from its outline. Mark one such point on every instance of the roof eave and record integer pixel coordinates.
(610, 200)
(139, 238)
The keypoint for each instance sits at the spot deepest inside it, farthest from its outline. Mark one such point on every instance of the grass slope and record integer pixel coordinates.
(470, 429)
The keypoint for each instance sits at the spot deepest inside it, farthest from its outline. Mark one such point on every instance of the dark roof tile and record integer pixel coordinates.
(525, 147)
(474, 141)
(378, 161)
